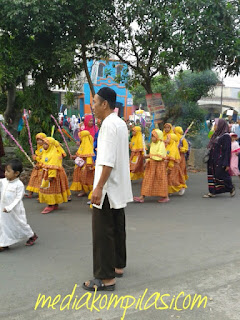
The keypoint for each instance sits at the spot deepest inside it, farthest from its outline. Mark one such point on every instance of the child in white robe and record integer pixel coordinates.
(13, 222)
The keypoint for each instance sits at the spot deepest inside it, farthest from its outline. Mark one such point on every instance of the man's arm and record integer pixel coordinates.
(97, 192)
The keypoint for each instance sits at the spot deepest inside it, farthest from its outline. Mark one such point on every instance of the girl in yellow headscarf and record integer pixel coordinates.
(36, 175)
(167, 130)
(155, 181)
(183, 149)
(137, 154)
(176, 181)
(52, 191)
(84, 174)
(63, 176)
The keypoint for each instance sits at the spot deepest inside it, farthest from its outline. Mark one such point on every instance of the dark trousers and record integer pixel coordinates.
(109, 241)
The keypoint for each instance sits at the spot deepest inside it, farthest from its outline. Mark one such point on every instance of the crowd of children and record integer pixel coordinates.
(163, 171)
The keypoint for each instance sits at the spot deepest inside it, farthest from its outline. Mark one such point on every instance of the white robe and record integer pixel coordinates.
(13, 224)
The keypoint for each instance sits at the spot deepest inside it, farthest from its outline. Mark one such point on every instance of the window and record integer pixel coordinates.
(119, 70)
(100, 70)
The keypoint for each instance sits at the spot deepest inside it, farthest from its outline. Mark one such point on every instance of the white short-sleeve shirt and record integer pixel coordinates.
(113, 151)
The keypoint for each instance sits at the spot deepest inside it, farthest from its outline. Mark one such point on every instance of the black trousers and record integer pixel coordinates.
(109, 240)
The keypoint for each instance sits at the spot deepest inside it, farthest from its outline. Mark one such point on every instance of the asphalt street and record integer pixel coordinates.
(187, 247)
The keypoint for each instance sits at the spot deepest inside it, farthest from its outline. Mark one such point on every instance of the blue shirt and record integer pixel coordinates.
(237, 130)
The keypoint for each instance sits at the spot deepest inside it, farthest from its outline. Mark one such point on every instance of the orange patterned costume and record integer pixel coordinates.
(137, 153)
(155, 181)
(55, 191)
(176, 180)
(183, 149)
(83, 176)
(36, 175)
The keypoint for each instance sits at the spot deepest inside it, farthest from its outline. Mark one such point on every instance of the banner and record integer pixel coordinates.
(94, 73)
(155, 106)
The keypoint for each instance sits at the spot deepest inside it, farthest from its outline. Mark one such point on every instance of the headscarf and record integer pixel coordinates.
(41, 136)
(222, 128)
(86, 147)
(50, 157)
(179, 132)
(92, 129)
(61, 153)
(60, 149)
(172, 148)
(157, 150)
(74, 123)
(165, 134)
(137, 140)
(40, 149)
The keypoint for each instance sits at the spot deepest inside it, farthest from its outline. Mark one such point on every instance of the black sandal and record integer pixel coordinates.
(99, 284)
(118, 275)
(3, 249)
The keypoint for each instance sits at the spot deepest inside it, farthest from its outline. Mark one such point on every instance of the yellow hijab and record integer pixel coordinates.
(50, 157)
(86, 147)
(157, 150)
(172, 148)
(60, 149)
(61, 153)
(137, 140)
(39, 149)
(179, 132)
(165, 134)
(41, 136)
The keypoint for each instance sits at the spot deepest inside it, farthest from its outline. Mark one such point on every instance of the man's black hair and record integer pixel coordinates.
(16, 165)
(109, 95)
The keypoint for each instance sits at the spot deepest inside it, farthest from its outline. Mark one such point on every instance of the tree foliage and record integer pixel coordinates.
(154, 37)
(49, 40)
(180, 95)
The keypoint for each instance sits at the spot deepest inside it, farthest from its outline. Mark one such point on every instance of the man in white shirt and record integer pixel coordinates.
(111, 192)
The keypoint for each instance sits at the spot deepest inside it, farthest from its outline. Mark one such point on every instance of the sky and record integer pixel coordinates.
(232, 81)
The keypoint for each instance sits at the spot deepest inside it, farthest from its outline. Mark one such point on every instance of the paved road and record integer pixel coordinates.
(190, 244)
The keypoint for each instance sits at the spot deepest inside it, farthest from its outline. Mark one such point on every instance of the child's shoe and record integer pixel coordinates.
(181, 192)
(31, 240)
(48, 209)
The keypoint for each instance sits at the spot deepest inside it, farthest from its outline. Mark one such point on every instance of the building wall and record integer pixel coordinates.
(107, 79)
(227, 97)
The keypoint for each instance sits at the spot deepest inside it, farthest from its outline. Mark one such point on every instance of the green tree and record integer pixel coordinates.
(87, 26)
(35, 40)
(180, 95)
(15, 64)
(154, 37)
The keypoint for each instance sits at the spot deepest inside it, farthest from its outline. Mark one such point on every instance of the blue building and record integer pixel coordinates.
(104, 73)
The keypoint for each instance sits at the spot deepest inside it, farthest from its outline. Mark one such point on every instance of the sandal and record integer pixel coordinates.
(31, 240)
(209, 195)
(164, 200)
(28, 196)
(3, 249)
(97, 284)
(118, 275)
(48, 210)
(82, 194)
(233, 192)
(138, 199)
